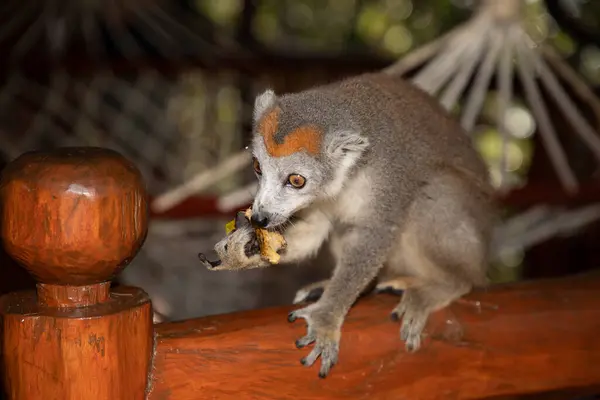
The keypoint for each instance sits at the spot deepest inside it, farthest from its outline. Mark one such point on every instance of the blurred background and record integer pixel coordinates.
(170, 85)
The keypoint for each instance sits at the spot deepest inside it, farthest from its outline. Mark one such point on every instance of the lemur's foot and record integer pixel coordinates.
(324, 331)
(418, 303)
(414, 314)
(310, 293)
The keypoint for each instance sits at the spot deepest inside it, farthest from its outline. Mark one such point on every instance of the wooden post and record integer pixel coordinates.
(74, 218)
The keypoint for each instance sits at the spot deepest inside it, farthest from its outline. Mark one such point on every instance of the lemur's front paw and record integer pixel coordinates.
(324, 331)
(414, 316)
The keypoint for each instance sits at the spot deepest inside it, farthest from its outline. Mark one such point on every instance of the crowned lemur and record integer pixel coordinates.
(381, 170)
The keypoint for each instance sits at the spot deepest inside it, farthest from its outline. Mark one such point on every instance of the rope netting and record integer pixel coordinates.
(170, 127)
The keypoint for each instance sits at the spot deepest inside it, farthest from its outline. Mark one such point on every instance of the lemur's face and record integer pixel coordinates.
(286, 186)
(301, 154)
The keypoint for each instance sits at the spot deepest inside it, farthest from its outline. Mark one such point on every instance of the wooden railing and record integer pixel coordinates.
(75, 217)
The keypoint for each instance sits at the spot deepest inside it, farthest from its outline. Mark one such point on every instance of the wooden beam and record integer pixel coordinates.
(518, 339)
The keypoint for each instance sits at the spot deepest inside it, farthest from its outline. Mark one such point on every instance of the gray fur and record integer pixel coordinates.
(397, 188)
(263, 102)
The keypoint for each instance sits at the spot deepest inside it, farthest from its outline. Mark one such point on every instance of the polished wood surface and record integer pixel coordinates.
(73, 218)
(85, 353)
(519, 339)
(73, 214)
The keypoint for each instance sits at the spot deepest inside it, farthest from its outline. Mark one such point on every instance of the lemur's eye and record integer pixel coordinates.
(256, 166)
(297, 181)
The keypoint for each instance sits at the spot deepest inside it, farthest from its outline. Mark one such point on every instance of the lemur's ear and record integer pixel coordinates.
(347, 144)
(263, 102)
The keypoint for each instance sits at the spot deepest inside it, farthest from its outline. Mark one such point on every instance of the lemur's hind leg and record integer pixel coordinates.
(443, 246)
(418, 303)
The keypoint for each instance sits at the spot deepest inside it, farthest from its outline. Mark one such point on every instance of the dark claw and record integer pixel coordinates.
(291, 317)
(303, 361)
(299, 344)
(322, 375)
(395, 317)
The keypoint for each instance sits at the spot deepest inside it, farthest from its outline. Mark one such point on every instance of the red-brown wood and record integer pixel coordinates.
(73, 214)
(525, 338)
(72, 296)
(86, 353)
(74, 217)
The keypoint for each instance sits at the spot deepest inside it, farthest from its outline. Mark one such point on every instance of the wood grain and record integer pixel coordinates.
(73, 215)
(519, 339)
(74, 218)
(99, 352)
(72, 296)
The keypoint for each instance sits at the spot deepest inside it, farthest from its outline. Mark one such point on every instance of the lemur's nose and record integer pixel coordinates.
(259, 219)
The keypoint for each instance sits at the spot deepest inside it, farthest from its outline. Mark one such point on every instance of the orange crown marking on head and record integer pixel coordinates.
(269, 124)
(306, 137)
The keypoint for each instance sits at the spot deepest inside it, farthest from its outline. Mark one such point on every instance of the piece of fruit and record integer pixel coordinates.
(270, 242)
(230, 227)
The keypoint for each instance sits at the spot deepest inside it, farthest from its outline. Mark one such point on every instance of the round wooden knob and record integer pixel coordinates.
(73, 216)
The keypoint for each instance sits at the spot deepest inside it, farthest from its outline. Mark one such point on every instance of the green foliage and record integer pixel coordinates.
(223, 12)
